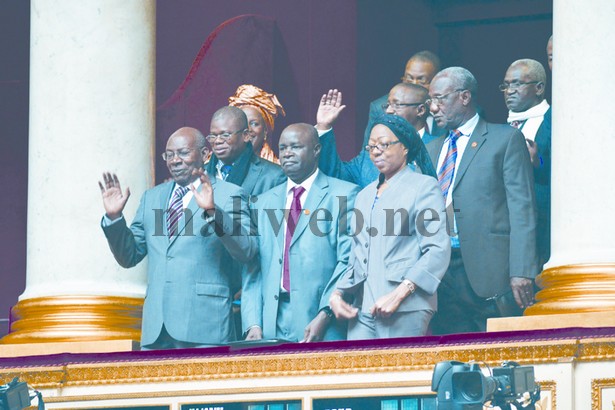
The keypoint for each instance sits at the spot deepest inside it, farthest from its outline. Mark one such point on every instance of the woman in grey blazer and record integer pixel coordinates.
(400, 246)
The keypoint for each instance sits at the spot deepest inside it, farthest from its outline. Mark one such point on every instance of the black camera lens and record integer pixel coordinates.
(471, 386)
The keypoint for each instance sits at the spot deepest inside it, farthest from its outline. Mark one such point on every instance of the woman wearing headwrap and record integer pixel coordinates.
(261, 108)
(400, 249)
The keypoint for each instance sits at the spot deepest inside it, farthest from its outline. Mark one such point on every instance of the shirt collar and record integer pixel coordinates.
(468, 127)
(307, 184)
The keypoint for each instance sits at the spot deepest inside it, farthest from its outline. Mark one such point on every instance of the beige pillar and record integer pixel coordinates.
(580, 277)
(92, 108)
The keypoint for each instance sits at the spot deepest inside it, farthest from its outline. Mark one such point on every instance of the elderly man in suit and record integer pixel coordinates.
(524, 94)
(405, 100)
(303, 255)
(191, 240)
(485, 174)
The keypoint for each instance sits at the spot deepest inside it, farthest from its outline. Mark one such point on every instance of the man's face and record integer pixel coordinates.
(298, 154)
(523, 91)
(550, 53)
(419, 72)
(228, 149)
(447, 103)
(398, 96)
(186, 157)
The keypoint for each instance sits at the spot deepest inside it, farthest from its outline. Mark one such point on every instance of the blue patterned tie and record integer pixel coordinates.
(225, 170)
(176, 209)
(447, 170)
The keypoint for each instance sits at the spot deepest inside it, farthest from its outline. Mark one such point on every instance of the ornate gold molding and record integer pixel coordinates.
(579, 288)
(597, 386)
(75, 318)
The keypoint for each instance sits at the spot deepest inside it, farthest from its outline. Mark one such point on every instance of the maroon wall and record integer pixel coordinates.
(359, 47)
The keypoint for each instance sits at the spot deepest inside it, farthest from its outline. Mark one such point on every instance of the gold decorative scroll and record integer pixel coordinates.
(75, 319)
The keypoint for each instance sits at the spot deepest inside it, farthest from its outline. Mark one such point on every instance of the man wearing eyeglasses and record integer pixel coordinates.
(192, 230)
(420, 69)
(233, 158)
(524, 94)
(404, 100)
(485, 175)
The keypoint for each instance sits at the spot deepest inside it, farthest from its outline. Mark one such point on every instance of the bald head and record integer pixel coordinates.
(190, 132)
(299, 151)
(407, 101)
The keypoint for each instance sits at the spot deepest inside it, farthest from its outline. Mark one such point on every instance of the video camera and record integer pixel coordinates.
(463, 386)
(15, 395)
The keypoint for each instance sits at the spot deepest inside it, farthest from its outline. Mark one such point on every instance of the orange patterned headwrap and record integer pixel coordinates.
(253, 96)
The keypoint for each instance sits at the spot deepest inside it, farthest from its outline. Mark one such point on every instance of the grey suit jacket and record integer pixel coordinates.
(262, 176)
(495, 209)
(188, 276)
(318, 254)
(400, 236)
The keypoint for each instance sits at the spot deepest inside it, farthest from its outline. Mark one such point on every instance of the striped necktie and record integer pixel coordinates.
(447, 170)
(176, 209)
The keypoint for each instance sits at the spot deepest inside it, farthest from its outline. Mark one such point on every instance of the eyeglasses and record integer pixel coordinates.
(514, 85)
(399, 106)
(418, 81)
(223, 136)
(440, 98)
(183, 154)
(381, 147)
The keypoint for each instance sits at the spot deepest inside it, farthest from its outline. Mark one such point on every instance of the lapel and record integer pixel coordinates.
(279, 194)
(253, 175)
(163, 203)
(477, 139)
(314, 198)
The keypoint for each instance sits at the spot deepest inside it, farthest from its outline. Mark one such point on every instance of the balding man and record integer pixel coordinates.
(301, 257)
(233, 158)
(420, 69)
(192, 229)
(405, 100)
(485, 175)
(524, 94)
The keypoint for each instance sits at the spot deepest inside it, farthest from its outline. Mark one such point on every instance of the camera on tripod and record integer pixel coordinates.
(463, 386)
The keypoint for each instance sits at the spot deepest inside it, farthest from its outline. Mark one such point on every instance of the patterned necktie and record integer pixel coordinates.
(176, 209)
(291, 224)
(518, 124)
(225, 170)
(447, 170)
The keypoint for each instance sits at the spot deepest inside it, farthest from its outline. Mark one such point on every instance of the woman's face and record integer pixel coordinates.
(388, 154)
(256, 126)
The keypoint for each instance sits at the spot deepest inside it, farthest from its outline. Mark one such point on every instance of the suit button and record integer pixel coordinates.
(276, 297)
(366, 245)
(169, 258)
(280, 261)
(365, 261)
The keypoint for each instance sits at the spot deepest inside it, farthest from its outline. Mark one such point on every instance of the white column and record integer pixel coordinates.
(92, 109)
(580, 277)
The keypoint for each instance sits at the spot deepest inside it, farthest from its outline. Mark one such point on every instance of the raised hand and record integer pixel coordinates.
(329, 109)
(114, 200)
(205, 197)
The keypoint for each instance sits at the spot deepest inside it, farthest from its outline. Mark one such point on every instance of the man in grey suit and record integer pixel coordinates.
(191, 241)
(486, 178)
(302, 256)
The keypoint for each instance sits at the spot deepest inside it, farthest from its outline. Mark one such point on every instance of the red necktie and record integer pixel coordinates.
(291, 224)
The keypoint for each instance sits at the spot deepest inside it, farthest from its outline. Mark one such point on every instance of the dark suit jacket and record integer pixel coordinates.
(495, 208)
(319, 252)
(542, 187)
(189, 275)
(360, 170)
